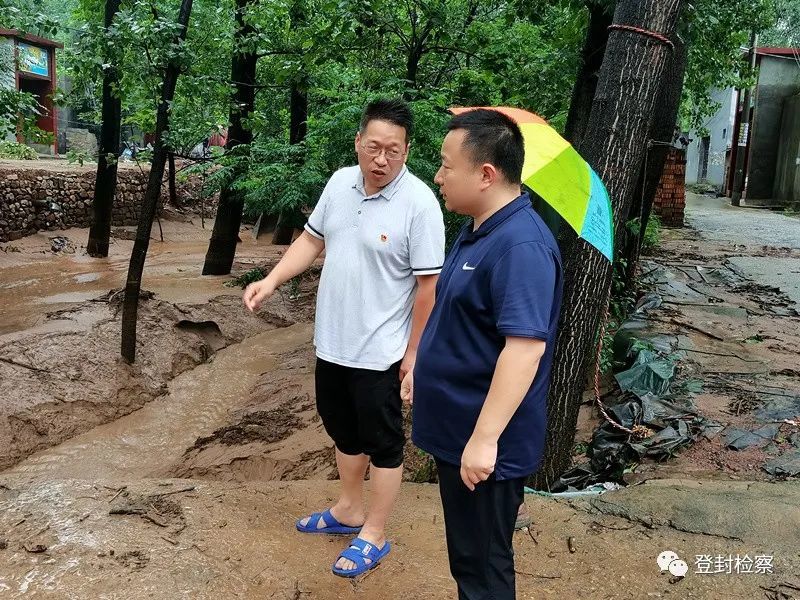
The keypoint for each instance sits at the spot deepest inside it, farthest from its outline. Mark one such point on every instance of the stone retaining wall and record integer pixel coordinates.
(48, 198)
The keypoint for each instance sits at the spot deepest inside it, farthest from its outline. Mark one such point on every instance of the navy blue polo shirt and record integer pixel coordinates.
(503, 280)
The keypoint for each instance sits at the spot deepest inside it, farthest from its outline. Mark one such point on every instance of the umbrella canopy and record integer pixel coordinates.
(556, 172)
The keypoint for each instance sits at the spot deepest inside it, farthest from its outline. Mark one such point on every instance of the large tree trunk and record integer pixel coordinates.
(298, 127)
(222, 247)
(148, 212)
(659, 142)
(614, 144)
(586, 83)
(105, 183)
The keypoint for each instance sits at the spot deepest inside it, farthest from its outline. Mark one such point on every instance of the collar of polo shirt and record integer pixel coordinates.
(387, 192)
(501, 215)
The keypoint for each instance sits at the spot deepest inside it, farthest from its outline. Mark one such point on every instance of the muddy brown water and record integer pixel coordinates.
(34, 281)
(144, 442)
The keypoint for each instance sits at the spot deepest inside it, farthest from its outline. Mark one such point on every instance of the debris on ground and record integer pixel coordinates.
(155, 508)
(700, 331)
(787, 465)
(61, 244)
(738, 438)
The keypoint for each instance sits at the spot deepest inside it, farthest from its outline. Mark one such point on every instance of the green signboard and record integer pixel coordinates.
(33, 59)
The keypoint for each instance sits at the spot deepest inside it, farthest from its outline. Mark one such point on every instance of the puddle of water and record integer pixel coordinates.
(67, 298)
(172, 270)
(87, 277)
(152, 438)
(15, 284)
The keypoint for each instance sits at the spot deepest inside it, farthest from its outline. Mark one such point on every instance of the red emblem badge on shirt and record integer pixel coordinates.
(384, 238)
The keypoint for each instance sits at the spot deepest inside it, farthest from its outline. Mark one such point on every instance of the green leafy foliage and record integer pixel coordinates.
(652, 234)
(245, 279)
(16, 151)
(78, 156)
(716, 33)
(340, 54)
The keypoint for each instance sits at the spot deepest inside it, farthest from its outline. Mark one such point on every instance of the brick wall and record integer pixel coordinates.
(670, 201)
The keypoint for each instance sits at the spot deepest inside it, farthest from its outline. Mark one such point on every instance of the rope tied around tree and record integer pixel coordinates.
(638, 432)
(645, 32)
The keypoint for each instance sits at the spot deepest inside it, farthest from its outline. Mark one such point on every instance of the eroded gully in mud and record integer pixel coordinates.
(147, 441)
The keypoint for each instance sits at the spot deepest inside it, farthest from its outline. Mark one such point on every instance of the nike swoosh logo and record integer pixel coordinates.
(466, 267)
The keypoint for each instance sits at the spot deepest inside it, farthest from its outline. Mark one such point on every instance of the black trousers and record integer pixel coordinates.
(480, 530)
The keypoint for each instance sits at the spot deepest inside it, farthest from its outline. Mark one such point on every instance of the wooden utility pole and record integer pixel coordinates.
(744, 130)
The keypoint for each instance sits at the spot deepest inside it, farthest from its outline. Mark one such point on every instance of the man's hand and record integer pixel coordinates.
(409, 360)
(256, 293)
(478, 460)
(407, 388)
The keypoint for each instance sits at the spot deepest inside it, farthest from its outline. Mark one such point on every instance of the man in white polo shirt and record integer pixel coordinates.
(383, 234)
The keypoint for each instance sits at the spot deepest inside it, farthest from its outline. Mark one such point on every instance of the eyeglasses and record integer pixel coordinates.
(375, 150)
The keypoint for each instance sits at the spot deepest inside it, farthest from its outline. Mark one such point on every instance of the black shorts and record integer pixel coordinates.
(362, 411)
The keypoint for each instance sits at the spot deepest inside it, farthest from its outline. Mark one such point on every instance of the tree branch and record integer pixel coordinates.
(276, 53)
(452, 49)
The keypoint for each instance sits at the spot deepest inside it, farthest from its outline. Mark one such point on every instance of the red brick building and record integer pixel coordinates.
(34, 71)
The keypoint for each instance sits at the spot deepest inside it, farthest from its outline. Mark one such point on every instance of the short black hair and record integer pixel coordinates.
(394, 111)
(492, 137)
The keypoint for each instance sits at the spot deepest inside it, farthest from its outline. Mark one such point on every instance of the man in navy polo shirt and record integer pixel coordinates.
(480, 382)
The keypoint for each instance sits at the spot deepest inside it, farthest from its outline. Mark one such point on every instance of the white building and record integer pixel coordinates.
(708, 154)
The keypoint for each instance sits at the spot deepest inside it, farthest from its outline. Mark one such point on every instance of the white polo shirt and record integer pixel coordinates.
(375, 246)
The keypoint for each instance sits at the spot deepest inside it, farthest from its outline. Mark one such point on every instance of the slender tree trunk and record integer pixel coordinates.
(412, 67)
(586, 82)
(659, 142)
(298, 113)
(173, 193)
(614, 144)
(105, 183)
(224, 237)
(133, 285)
(298, 127)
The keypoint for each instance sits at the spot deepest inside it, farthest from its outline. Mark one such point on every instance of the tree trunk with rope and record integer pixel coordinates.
(636, 59)
(225, 235)
(659, 144)
(130, 307)
(105, 183)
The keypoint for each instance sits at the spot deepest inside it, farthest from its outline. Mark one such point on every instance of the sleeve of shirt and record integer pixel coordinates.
(426, 240)
(316, 221)
(523, 288)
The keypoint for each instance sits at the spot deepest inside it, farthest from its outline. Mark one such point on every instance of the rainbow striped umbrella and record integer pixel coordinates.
(554, 170)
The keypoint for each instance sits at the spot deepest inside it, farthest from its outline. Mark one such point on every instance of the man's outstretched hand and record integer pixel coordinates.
(256, 293)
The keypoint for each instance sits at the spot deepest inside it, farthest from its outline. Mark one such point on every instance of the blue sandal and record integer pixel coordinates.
(332, 526)
(360, 552)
